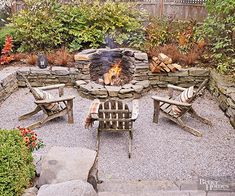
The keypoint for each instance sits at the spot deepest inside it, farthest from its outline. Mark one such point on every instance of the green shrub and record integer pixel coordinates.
(4, 31)
(16, 166)
(219, 29)
(47, 24)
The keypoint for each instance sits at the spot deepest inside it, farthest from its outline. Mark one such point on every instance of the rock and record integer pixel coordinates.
(71, 188)
(88, 51)
(82, 57)
(80, 82)
(125, 96)
(133, 81)
(66, 163)
(138, 88)
(127, 86)
(113, 90)
(144, 83)
(141, 56)
(86, 87)
(126, 90)
(30, 192)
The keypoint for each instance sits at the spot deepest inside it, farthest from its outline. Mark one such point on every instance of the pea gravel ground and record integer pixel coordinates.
(160, 151)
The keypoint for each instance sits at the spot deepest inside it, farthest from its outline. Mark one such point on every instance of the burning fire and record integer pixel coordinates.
(112, 76)
(115, 70)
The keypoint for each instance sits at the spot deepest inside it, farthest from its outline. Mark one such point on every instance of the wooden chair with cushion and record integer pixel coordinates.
(115, 116)
(176, 108)
(50, 106)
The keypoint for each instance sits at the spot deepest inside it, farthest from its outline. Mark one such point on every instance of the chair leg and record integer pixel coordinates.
(98, 142)
(156, 111)
(25, 116)
(188, 128)
(38, 123)
(195, 115)
(130, 143)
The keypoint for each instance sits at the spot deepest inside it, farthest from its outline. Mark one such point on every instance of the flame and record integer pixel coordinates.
(115, 70)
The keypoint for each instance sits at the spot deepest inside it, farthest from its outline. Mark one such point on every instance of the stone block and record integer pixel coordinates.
(60, 72)
(113, 90)
(144, 83)
(198, 72)
(63, 164)
(80, 82)
(142, 56)
(125, 96)
(187, 79)
(30, 192)
(231, 103)
(230, 112)
(182, 73)
(71, 188)
(126, 91)
(223, 102)
(138, 88)
(172, 79)
(82, 57)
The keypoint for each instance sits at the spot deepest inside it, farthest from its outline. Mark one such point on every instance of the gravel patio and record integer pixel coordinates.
(160, 151)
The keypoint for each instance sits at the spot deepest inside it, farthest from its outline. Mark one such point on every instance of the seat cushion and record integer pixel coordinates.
(184, 97)
(43, 95)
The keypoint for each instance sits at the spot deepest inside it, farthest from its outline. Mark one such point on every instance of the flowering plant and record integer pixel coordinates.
(31, 140)
(6, 56)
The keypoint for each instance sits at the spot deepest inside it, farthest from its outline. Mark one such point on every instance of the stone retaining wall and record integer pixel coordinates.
(42, 77)
(223, 89)
(184, 78)
(8, 84)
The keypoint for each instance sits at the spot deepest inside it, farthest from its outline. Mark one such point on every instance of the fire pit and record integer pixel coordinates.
(111, 72)
(114, 68)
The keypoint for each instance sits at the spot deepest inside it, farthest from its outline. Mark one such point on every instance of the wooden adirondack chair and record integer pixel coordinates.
(165, 104)
(63, 103)
(115, 116)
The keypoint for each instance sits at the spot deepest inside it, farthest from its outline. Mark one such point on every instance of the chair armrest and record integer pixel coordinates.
(170, 101)
(60, 99)
(176, 87)
(135, 109)
(50, 87)
(55, 86)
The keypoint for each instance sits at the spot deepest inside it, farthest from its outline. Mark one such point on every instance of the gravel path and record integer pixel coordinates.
(160, 151)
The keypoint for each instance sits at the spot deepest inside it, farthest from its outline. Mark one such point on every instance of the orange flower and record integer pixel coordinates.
(34, 144)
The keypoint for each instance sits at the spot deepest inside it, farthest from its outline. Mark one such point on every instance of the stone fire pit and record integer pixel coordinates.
(95, 63)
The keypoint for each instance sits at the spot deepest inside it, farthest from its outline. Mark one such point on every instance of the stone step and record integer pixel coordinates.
(157, 193)
(135, 186)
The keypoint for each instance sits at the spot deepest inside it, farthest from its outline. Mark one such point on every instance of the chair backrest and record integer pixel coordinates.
(201, 87)
(32, 90)
(115, 116)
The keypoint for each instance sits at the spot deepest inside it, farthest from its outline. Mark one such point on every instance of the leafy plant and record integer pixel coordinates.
(47, 24)
(16, 163)
(6, 57)
(219, 30)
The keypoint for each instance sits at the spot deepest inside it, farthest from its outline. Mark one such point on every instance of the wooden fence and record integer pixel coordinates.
(177, 9)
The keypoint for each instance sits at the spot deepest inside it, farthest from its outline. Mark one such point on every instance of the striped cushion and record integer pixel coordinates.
(184, 97)
(42, 95)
